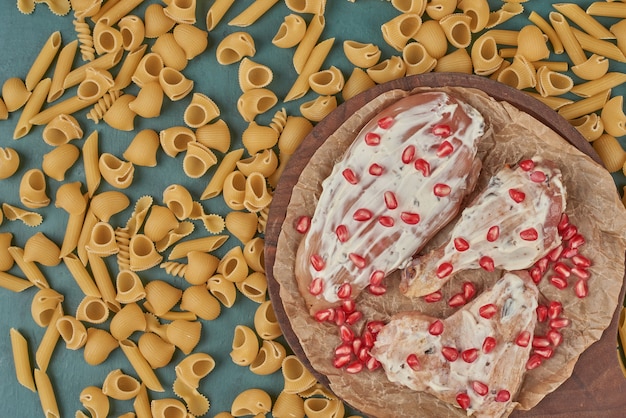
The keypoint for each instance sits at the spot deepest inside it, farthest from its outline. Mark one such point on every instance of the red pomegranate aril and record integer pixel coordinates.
(340, 361)
(390, 200)
(303, 224)
(517, 195)
(340, 317)
(450, 353)
(555, 337)
(562, 269)
(489, 343)
(408, 154)
(386, 221)
(543, 264)
(436, 296)
(545, 352)
(377, 290)
(529, 234)
(368, 339)
(569, 232)
(377, 277)
(444, 149)
(461, 244)
(344, 291)
(559, 323)
(487, 263)
(372, 364)
(503, 396)
(555, 308)
(325, 315)
(386, 122)
(558, 282)
(441, 130)
(463, 400)
(353, 317)
(422, 166)
(470, 355)
(581, 289)
(576, 241)
(441, 190)
(488, 311)
(357, 343)
(342, 233)
(581, 272)
(363, 354)
(480, 388)
(569, 252)
(362, 215)
(527, 165)
(457, 300)
(469, 290)
(317, 262)
(348, 306)
(376, 170)
(316, 286)
(410, 218)
(375, 326)
(536, 274)
(580, 260)
(523, 339)
(542, 313)
(346, 334)
(413, 362)
(540, 341)
(350, 176)
(555, 253)
(444, 269)
(359, 261)
(563, 222)
(343, 349)
(538, 176)
(493, 233)
(372, 138)
(534, 361)
(436, 328)
(354, 367)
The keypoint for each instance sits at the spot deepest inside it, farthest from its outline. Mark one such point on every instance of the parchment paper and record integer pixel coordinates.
(592, 204)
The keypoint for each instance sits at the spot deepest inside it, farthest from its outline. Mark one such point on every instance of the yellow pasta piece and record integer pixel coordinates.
(174, 83)
(432, 36)
(484, 55)
(307, 6)
(95, 401)
(266, 323)
(358, 82)
(477, 10)
(99, 346)
(155, 349)
(255, 102)
(43, 60)
(585, 106)
(33, 189)
(570, 43)
(264, 162)
(604, 83)
(198, 159)
(81, 276)
(245, 346)
(607, 9)
(254, 287)
(317, 109)
(120, 386)
(120, 116)
(142, 253)
(251, 402)
(297, 377)
(457, 61)
(198, 300)
(13, 283)
(128, 320)
(216, 12)
(252, 75)
(532, 44)
(41, 249)
(21, 360)
(200, 111)
(613, 117)
(322, 407)
(13, 213)
(9, 162)
(390, 69)
(173, 54)
(129, 287)
(30, 269)
(46, 394)
(43, 354)
(584, 20)
(72, 331)
(288, 404)
(520, 74)
(234, 47)
(117, 11)
(551, 83)
(269, 359)
(61, 70)
(252, 13)
(166, 408)
(181, 11)
(14, 93)
(457, 29)
(104, 281)
(141, 366)
(149, 100)
(598, 47)
(184, 334)
(398, 31)
(546, 28)
(290, 32)
(437, 9)
(590, 126)
(313, 64)
(506, 12)
(32, 108)
(611, 152)
(116, 172)
(361, 54)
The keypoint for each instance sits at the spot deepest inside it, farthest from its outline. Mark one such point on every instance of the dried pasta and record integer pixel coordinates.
(149, 100)
(264, 162)
(242, 225)
(198, 300)
(181, 11)
(104, 281)
(56, 162)
(608, 9)
(604, 83)
(167, 408)
(313, 64)
(297, 377)
(417, 60)
(61, 130)
(200, 111)
(14, 213)
(184, 334)
(610, 151)
(29, 268)
(106, 39)
(32, 108)
(327, 82)
(174, 83)
(506, 12)
(14, 93)
(116, 172)
(551, 83)
(9, 162)
(478, 11)
(317, 109)
(141, 366)
(361, 54)
(252, 75)
(156, 22)
(148, 69)
(178, 199)
(253, 253)
(485, 57)
(155, 349)
(99, 346)
(251, 402)
(128, 320)
(358, 82)
(225, 167)
(120, 116)
(265, 322)
(398, 31)
(234, 47)
(81, 276)
(233, 265)
(245, 346)
(41, 249)
(61, 70)
(216, 12)
(269, 358)
(43, 61)
(142, 253)
(288, 403)
(224, 290)
(590, 126)
(546, 28)
(173, 54)
(132, 31)
(252, 13)
(613, 117)
(599, 47)
(13, 283)
(175, 139)
(72, 331)
(215, 135)
(114, 14)
(95, 401)
(308, 42)
(254, 287)
(103, 62)
(437, 9)
(128, 287)
(290, 32)
(21, 360)
(257, 137)
(584, 20)
(143, 148)
(570, 43)
(584, 106)
(51, 336)
(46, 394)
(255, 102)
(316, 7)
(520, 74)
(120, 386)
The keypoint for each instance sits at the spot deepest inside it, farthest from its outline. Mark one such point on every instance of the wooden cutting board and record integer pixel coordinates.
(597, 387)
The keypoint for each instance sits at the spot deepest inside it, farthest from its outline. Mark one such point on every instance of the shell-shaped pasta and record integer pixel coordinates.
(243, 225)
(149, 100)
(258, 137)
(116, 172)
(184, 334)
(593, 68)
(198, 300)
(120, 116)
(323, 407)
(458, 61)
(252, 75)
(361, 54)
(295, 130)
(9, 162)
(184, 228)
(200, 267)
(290, 32)
(175, 85)
(15, 93)
(93, 310)
(254, 253)
(245, 346)
(56, 162)
(269, 358)
(175, 139)
(234, 47)
(106, 39)
(98, 346)
(198, 159)
(72, 331)
(70, 198)
(200, 111)
(234, 191)
(288, 405)
(520, 74)
(162, 296)
(552, 83)
(194, 367)
(358, 82)
(233, 265)
(13, 213)
(317, 390)
(297, 377)
(143, 148)
(255, 102)
(96, 402)
(432, 36)
(410, 6)
(181, 11)
(307, 6)
(397, 31)
(6, 260)
(214, 135)
(438, 9)
(531, 43)
(148, 69)
(178, 199)
(224, 290)
(95, 85)
(173, 54)
(155, 349)
(120, 386)
(478, 11)
(387, 70)
(610, 151)
(106, 204)
(317, 109)
(254, 287)
(129, 287)
(327, 82)
(417, 59)
(44, 305)
(257, 194)
(251, 402)
(613, 117)
(41, 249)
(457, 29)
(590, 126)
(485, 57)
(264, 162)
(191, 39)
(156, 21)
(133, 32)
(168, 408)
(265, 322)
(33, 189)
(159, 223)
(128, 320)
(61, 130)
(142, 253)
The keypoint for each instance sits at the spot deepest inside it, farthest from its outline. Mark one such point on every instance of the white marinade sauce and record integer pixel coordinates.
(384, 172)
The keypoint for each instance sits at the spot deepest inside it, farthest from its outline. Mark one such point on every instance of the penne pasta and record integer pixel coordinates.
(21, 360)
(61, 70)
(81, 276)
(570, 43)
(548, 30)
(599, 47)
(307, 6)
(29, 269)
(225, 167)
(584, 20)
(104, 282)
(51, 336)
(252, 13)
(117, 11)
(104, 62)
(313, 64)
(46, 394)
(607, 9)
(593, 87)
(43, 61)
(141, 365)
(585, 106)
(32, 108)
(206, 244)
(13, 283)
(216, 12)
(553, 103)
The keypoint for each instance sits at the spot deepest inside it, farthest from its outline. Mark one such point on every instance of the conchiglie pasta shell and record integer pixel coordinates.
(288, 405)
(162, 296)
(322, 408)
(98, 346)
(410, 6)
(290, 32)
(233, 265)
(397, 31)
(175, 85)
(532, 43)
(255, 102)
(234, 47)
(297, 377)
(120, 116)
(43, 306)
(133, 32)
(198, 159)
(327, 82)
(70, 198)
(254, 287)
(432, 36)
(251, 402)
(457, 29)
(307, 6)
(41, 249)
(224, 290)
(173, 54)
(245, 346)
(485, 57)
(95, 84)
(264, 162)
(159, 223)
(129, 287)
(520, 74)
(252, 75)
(148, 69)
(120, 386)
(149, 100)
(254, 253)
(610, 151)
(61, 130)
(317, 109)
(295, 130)
(358, 82)
(265, 322)
(417, 60)
(143, 148)
(457, 61)
(234, 191)
(590, 126)
(102, 240)
(181, 11)
(178, 199)
(387, 70)
(478, 11)
(198, 300)
(15, 93)
(4, 112)
(142, 253)
(243, 225)
(33, 189)
(9, 162)
(156, 21)
(155, 350)
(613, 117)
(93, 310)
(175, 139)
(194, 367)
(257, 137)
(257, 194)
(361, 54)
(269, 358)
(106, 204)
(128, 320)
(184, 334)
(106, 39)
(96, 402)
(168, 408)
(191, 39)
(6, 261)
(200, 111)
(215, 135)
(552, 83)
(200, 267)
(56, 162)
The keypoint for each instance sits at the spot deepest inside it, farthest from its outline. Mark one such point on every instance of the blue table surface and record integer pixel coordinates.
(22, 36)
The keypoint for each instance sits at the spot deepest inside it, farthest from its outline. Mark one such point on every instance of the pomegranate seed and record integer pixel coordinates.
(363, 354)
(581, 289)
(372, 139)
(523, 339)
(375, 326)
(503, 396)
(316, 286)
(377, 277)
(436, 328)
(408, 154)
(357, 343)
(463, 400)
(569, 232)
(413, 362)
(559, 323)
(346, 333)
(343, 349)
(390, 200)
(563, 223)
(378, 290)
(444, 270)
(350, 176)
(354, 317)
(386, 122)
(317, 262)
(517, 195)
(450, 353)
(558, 282)
(576, 241)
(423, 166)
(470, 355)
(441, 190)
(488, 311)
(461, 244)
(527, 165)
(545, 352)
(538, 176)
(457, 300)
(433, 297)
(489, 344)
(540, 341)
(529, 234)
(368, 339)
(469, 290)
(562, 269)
(410, 218)
(344, 291)
(342, 233)
(303, 224)
(581, 261)
(569, 252)
(444, 149)
(536, 274)
(359, 261)
(325, 315)
(543, 264)
(362, 215)
(386, 221)
(348, 306)
(555, 308)
(340, 361)
(340, 317)
(555, 253)
(581, 273)
(534, 361)
(493, 233)
(354, 367)
(376, 170)
(555, 337)
(441, 130)
(372, 364)
(480, 388)
(542, 313)
(487, 263)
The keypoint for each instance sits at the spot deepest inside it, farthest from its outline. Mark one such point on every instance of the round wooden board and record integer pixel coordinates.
(597, 385)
